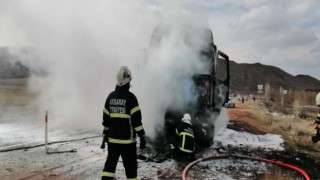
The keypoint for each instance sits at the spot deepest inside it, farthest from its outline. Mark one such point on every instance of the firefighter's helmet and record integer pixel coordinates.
(123, 76)
(186, 118)
(318, 99)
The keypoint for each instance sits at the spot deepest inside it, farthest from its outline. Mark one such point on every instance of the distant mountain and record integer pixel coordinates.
(245, 78)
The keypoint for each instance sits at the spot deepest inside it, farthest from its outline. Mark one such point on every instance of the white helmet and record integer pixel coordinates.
(318, 99)
(123, 76)
(186, 118)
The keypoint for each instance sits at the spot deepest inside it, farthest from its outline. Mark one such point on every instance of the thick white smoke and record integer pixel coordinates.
(82, 44)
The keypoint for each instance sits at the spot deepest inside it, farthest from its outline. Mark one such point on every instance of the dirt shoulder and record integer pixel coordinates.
(241, 118)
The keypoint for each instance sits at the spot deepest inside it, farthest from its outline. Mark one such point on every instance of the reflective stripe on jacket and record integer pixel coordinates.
(186, 137)
(122, 116)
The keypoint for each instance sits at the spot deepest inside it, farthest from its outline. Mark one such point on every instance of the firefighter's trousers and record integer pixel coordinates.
(128, 153)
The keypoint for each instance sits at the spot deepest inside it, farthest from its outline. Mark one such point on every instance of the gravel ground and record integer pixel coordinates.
(88, 160)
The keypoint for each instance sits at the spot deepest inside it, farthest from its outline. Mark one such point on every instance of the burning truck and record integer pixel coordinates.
(209, 90)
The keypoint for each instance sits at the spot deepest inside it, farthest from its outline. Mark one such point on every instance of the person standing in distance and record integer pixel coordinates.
(316, 123)
(122, 121)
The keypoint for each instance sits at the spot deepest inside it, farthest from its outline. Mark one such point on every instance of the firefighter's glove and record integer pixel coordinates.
(142, 142)
(105, 138)
(104, 141)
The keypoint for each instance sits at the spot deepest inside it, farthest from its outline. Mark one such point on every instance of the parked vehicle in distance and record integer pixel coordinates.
(231, 103)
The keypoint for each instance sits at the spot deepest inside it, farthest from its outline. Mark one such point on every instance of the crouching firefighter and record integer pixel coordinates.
(183, 146)
(316, 124)
(122, 121)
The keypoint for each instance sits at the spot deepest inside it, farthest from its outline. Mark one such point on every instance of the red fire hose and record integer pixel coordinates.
(224, 156)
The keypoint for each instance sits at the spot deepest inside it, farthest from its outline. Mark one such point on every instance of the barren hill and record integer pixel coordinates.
(245, 78)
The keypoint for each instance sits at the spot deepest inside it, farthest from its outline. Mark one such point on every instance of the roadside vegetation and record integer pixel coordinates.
(290, 115)
(15, 95)
(273, 174)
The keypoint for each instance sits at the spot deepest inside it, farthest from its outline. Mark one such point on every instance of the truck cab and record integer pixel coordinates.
(209, 88)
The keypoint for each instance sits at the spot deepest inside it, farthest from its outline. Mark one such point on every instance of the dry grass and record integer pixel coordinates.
(15, 95)
(278, 174)
(295, 126)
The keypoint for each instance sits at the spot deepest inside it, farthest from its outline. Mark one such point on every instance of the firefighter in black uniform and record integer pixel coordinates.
(183, 146)
(122, 121)
(316, 124)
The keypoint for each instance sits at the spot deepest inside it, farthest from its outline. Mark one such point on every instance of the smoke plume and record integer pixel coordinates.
(80, 45)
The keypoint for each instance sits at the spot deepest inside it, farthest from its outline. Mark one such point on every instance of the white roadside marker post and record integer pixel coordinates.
(46, 132)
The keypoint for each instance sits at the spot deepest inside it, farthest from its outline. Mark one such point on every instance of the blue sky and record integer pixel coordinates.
(284, 33)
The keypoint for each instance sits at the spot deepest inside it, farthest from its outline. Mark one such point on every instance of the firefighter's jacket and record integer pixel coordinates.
(185, 135)
(122, 116)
